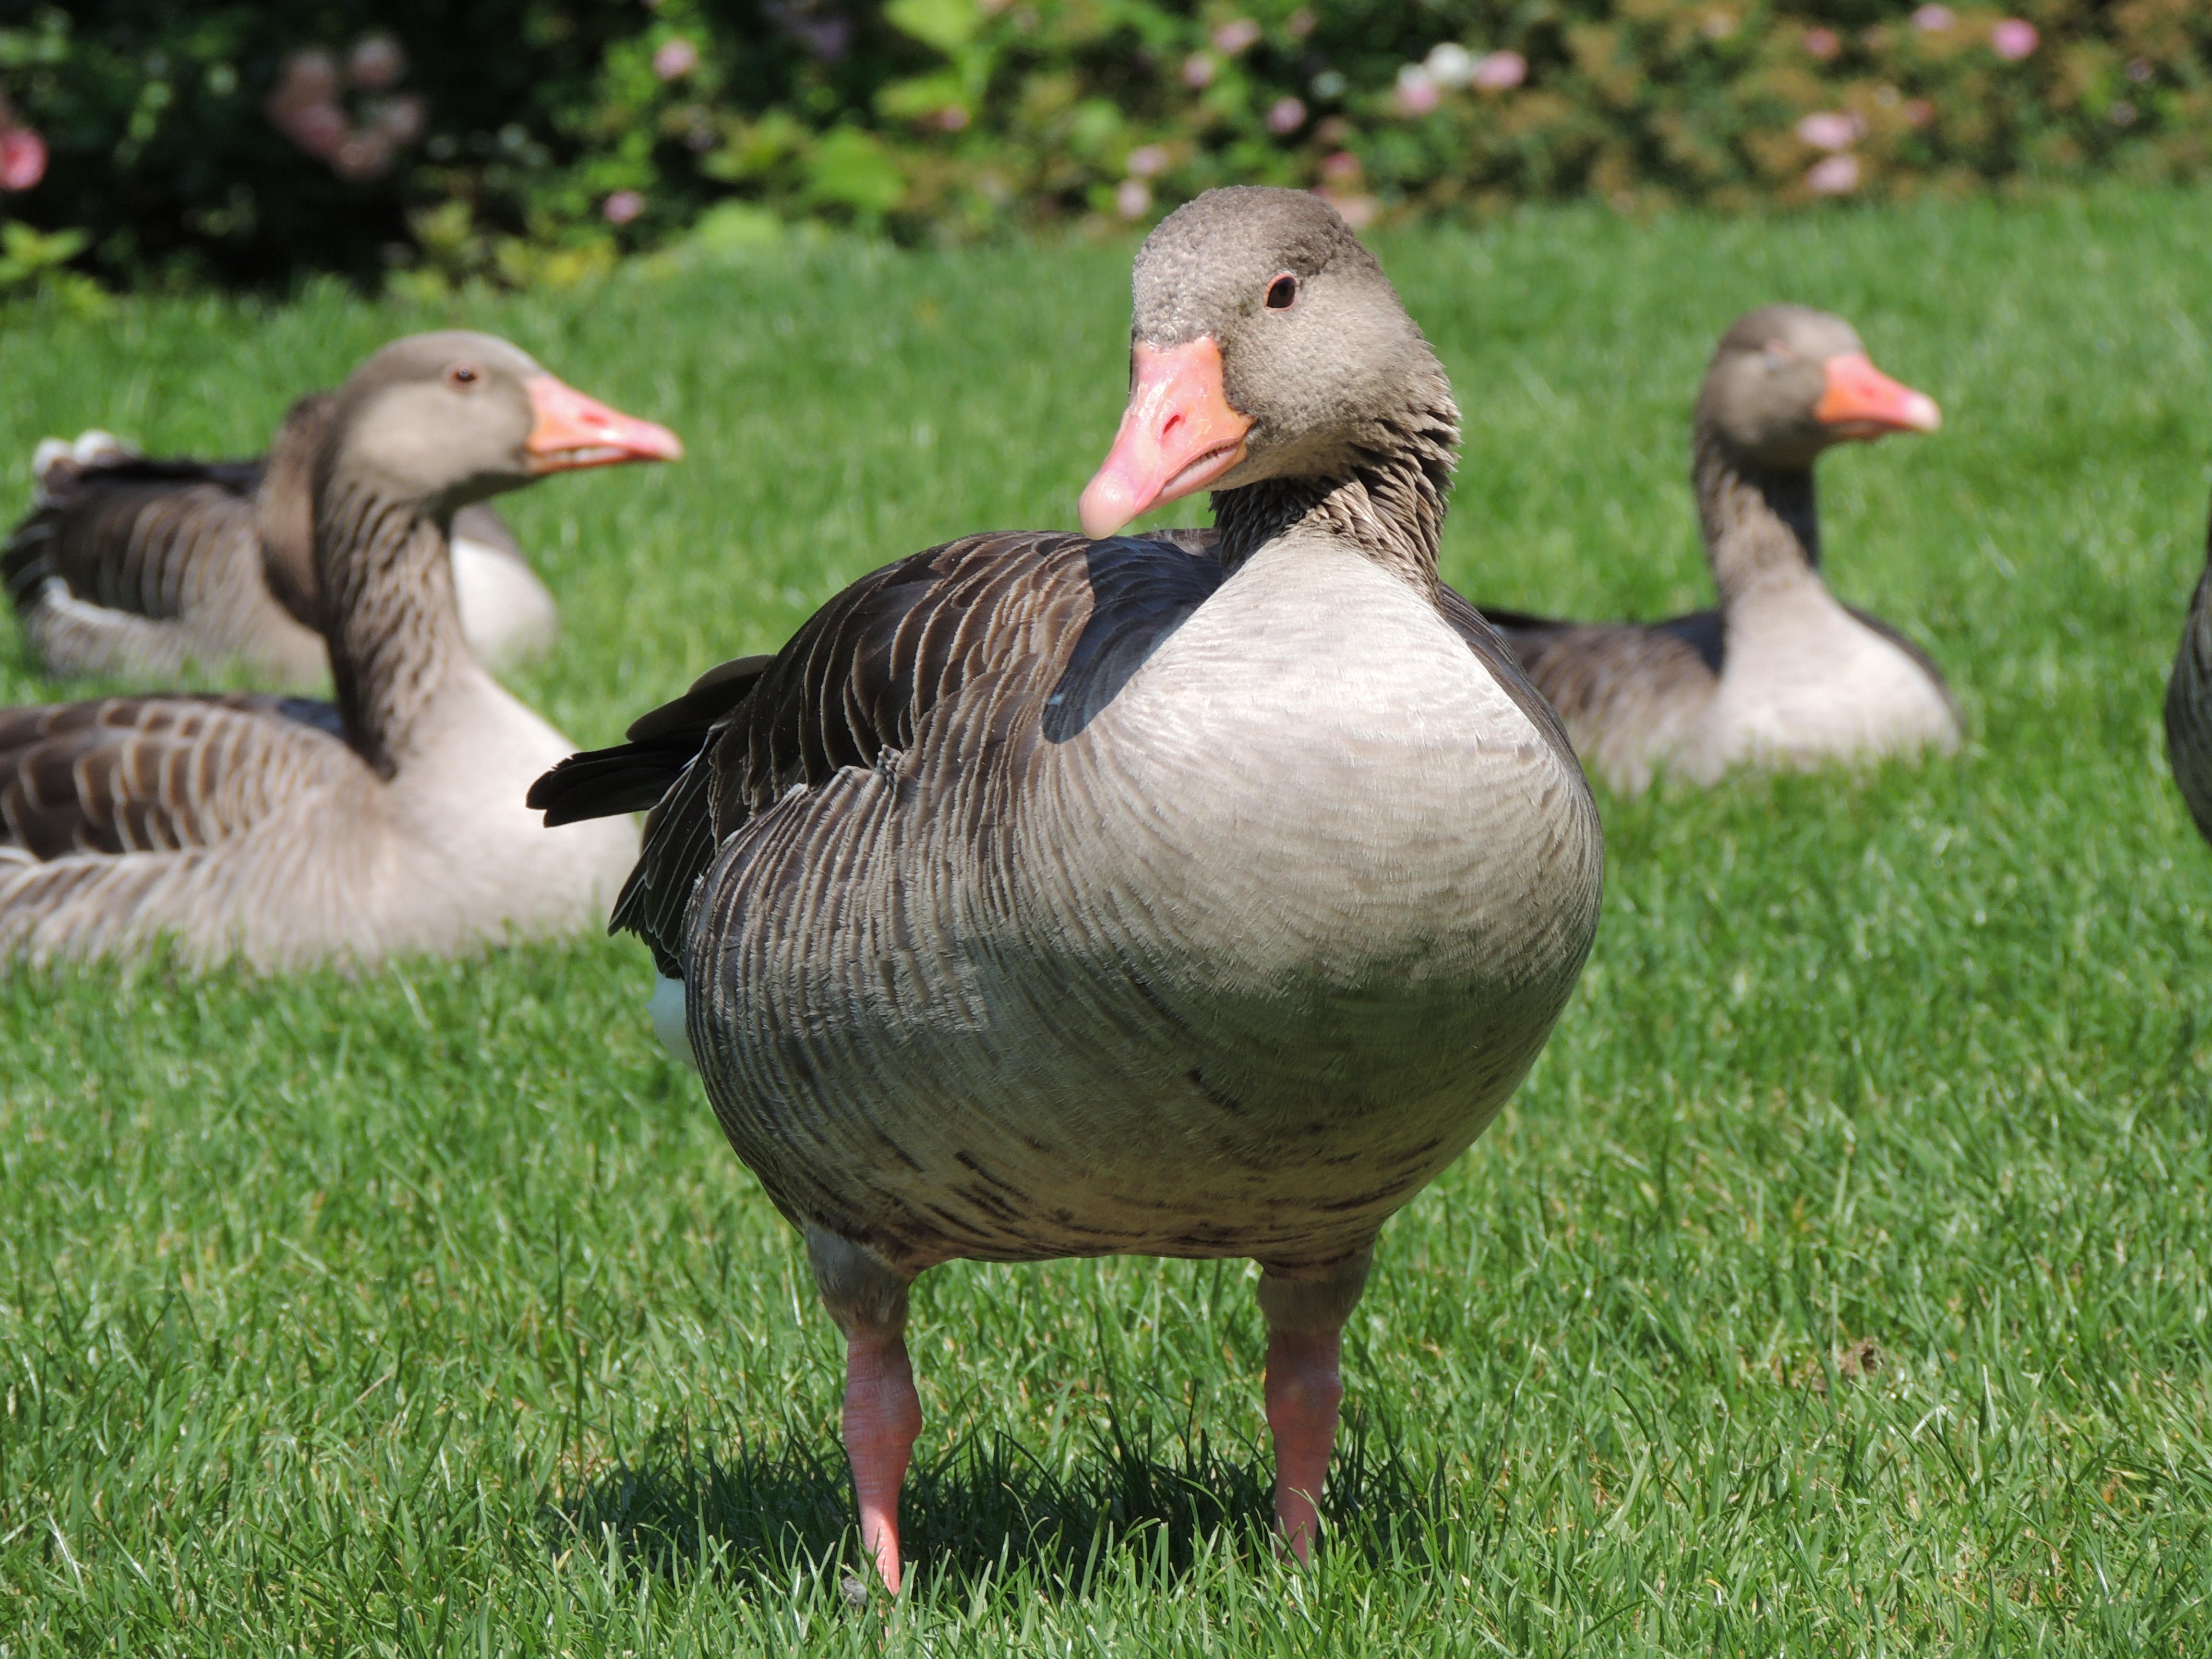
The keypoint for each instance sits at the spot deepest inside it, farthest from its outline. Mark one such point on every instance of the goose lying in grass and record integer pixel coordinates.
(142, 569)
(286, 831)
(2189, 705)
(1783, 673)
(1047, 896)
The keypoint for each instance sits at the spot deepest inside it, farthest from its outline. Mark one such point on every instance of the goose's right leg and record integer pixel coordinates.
(882, 1413)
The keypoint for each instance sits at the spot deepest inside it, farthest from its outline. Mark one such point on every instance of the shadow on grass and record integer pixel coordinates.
(987, 1509)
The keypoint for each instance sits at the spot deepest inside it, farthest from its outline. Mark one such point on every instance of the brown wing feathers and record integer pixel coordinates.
(136, 774)
(129, 534)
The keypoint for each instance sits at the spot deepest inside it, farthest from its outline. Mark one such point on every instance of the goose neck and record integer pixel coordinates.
(390, 617)
(1762, 525)
(1387, 502)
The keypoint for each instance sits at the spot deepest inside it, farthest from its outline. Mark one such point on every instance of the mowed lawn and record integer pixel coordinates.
(1837, 1283)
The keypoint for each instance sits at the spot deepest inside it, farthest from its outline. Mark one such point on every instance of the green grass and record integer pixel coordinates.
(430, 1313)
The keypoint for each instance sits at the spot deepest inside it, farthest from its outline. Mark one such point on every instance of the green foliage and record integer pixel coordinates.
(428, 1313)
(552, 134)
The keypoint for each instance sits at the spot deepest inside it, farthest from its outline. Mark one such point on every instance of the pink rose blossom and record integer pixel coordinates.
(1286, 116)
(23, 158)
(1823, 44)
(1830, 129)
(622, 207)
(1132, 199)
(2014, 38)
(1836, 176)
(1499, 71)
(318, 128)
(673, 59)
(1198, 70)
(1933, 19)
(1147, 160)
(1235, 36)
(1341, 168)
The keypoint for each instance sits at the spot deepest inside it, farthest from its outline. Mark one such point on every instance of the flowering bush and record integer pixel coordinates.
(532, 139)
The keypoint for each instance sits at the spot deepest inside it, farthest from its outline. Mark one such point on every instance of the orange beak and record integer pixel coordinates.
(574, 431)
(1863, 402)
(1178, 434)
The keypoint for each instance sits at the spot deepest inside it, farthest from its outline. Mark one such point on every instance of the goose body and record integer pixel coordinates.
(1050, 895)
(141, 569)
(284, 830)
(2189, 706)
(1783, 673)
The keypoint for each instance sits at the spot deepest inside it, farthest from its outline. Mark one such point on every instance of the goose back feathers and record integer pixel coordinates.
(142, 568)
(1782, 673)
(2189, 705)
(286, 831)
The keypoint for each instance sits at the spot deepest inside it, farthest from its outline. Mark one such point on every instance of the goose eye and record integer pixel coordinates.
(463, 374)
(1282, 292)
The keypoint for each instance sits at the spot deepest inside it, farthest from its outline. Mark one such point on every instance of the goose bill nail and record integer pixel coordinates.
(1863, 402)
(1178, 435)
(574, 431)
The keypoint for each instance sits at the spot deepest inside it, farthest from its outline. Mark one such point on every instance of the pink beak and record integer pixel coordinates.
(1178, 434)
(575, 431)
(1863, 402)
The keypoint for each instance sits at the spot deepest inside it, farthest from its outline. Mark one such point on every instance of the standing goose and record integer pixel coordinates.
(285, 831)
(140, 567)
(2189, 705)
(1783, 673)
(1047, 896)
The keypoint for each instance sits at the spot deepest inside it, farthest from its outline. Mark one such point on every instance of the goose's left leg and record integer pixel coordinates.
(1305, 1310)
(883, 1413)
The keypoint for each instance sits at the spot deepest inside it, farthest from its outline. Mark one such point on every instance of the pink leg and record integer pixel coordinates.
(1304, 1386)
(883, 1415)
(1304, 1389)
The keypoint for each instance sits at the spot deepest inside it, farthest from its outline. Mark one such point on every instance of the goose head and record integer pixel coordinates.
(437, 421)
(1787, 382)
(1266, 344)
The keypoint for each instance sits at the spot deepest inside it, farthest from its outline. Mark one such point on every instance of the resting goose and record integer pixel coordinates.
(1047, 896)
(286, 831)
(141, 567)
(2189, 705)
(1783, 673)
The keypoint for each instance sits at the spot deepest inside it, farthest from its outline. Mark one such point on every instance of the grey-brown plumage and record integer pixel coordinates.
(1054, 896)
(2189, 705)
(142, 568)
(1782, 673)
(286, 831)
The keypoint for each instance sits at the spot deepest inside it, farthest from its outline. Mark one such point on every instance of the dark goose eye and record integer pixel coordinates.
(1282, 292)
(462, 375)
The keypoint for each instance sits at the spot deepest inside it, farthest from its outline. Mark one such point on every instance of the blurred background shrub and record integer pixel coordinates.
(429, 143)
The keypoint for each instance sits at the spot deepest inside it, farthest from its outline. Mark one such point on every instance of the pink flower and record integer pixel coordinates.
(1341, 168)
(308, 75)
(375, 62)
(1417, 93)
(23, 158)
(1499, 71)
(1933, 19)
(674, 59)
(1147, 162)
(1823, 44)
(318, 128)
(1132, 199)
(1198, 70)
(2013, 39)
(1234, 36)
(622, 207)
(1918, 111)
(1830, 129)
(363, 156)
(1286, 116)
(1835, 176)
